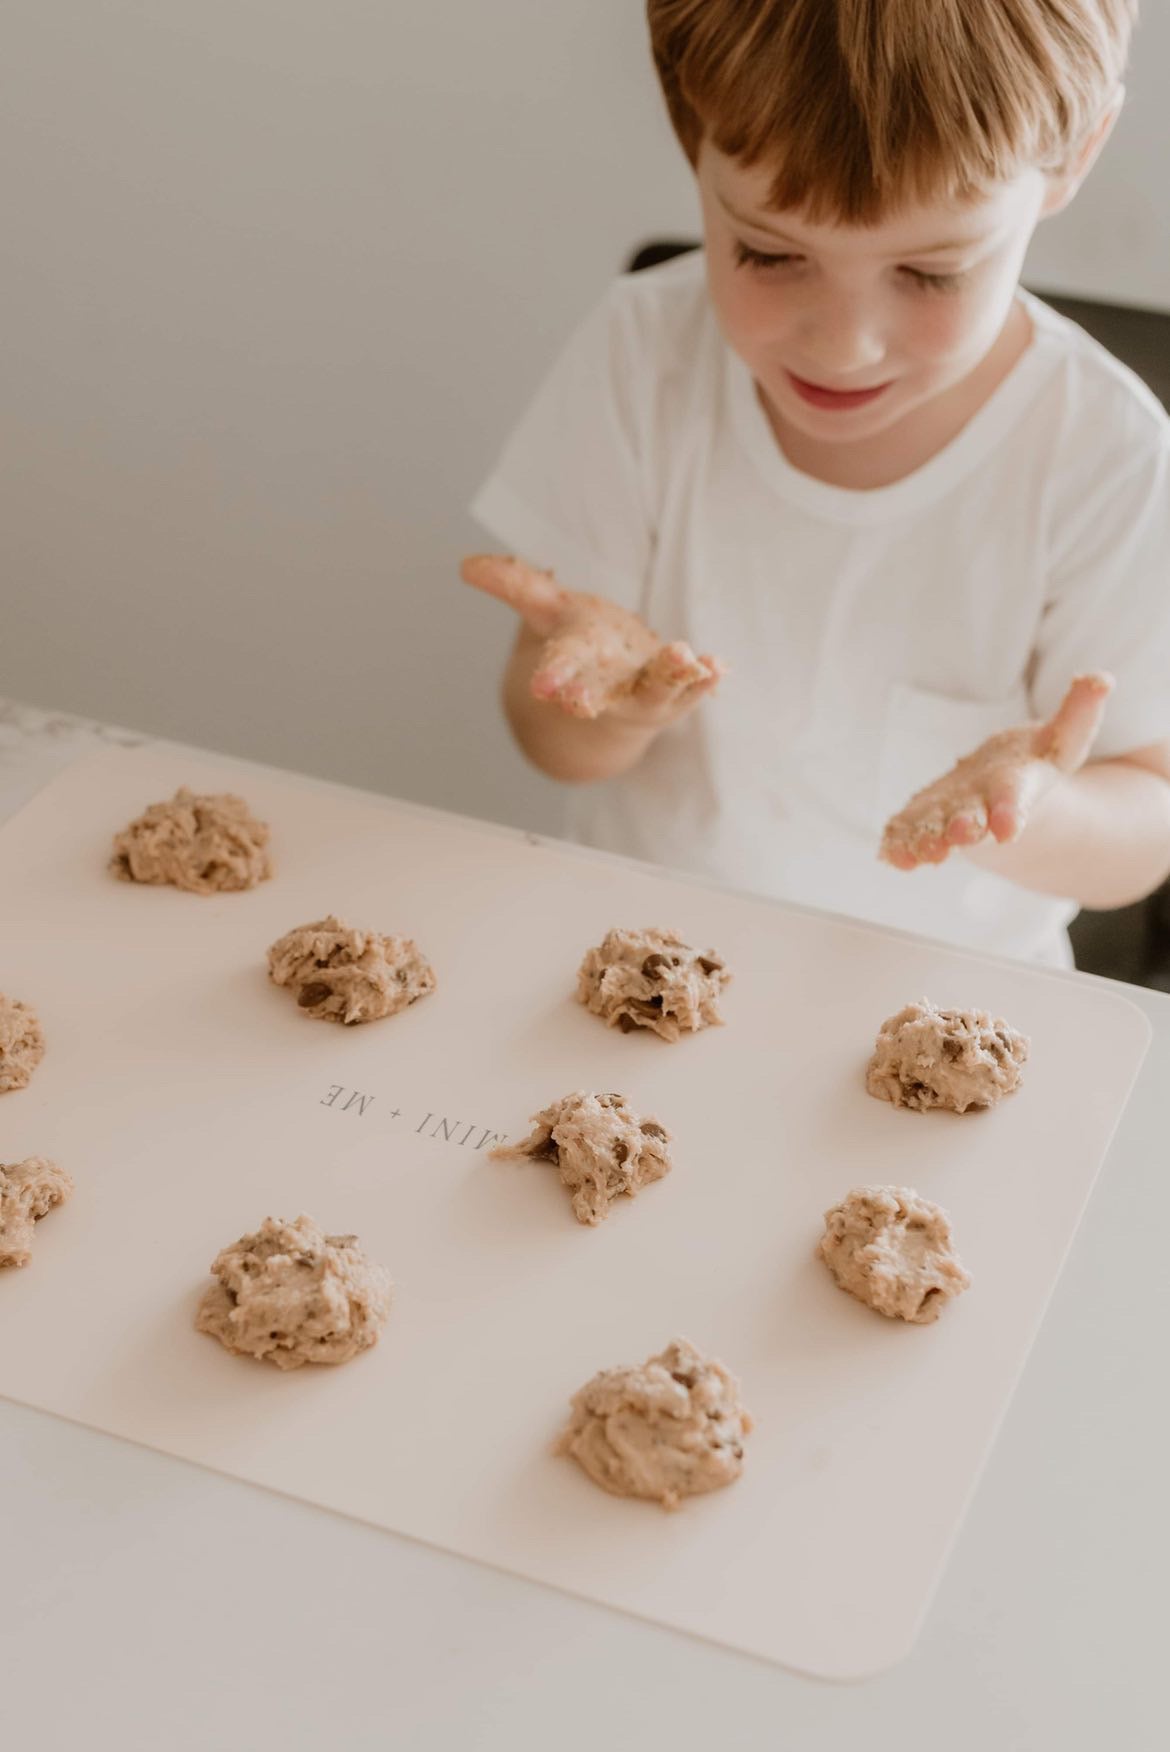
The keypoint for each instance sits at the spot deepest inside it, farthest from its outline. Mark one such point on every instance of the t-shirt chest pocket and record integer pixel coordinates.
(926, 733)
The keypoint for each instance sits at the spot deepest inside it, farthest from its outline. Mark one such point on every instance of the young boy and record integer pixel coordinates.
(914, 512)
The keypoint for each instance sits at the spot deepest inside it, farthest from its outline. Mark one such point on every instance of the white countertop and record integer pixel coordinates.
(147, 1604)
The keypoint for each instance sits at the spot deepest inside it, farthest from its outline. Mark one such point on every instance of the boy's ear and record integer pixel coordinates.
(1063, 185)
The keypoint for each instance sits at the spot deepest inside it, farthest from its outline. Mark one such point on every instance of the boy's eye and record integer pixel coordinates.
(747, 257)
(934, 282)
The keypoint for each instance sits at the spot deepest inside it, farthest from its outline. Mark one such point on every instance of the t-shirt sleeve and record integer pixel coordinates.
(568, 492)
(1108, 604)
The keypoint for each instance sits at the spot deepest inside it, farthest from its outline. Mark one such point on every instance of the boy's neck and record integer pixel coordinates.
(889, 456)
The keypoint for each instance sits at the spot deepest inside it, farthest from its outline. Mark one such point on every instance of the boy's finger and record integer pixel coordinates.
(1071, 731)
(1005, 817)
(581, 698)
(899, 845)
(575, 679)
(557, 670)
(579, 669)
(715, 666)
(968, 826)
(919, 834)
(699, 690)
(569, 689)
(533, 594)
(664, 676)
(932, 848)
(901, 857)
(550, 679)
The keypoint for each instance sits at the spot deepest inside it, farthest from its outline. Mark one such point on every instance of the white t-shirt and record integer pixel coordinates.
(872, 637)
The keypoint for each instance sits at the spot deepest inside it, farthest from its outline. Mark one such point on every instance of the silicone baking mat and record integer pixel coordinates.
(189, 1099)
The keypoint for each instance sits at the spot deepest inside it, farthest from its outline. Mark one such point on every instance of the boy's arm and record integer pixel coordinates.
(1101, 837)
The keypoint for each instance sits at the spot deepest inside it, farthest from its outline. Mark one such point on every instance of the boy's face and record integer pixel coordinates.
(848, 329)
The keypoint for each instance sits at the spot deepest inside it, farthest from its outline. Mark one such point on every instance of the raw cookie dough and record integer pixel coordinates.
(22, 1043)
(651, 979)
(28, 1191)
(600, 1146)
(664, 1429)
(292, 1294)
(343, 975)
(204, 844)
(945, 1058)
(893, 1251)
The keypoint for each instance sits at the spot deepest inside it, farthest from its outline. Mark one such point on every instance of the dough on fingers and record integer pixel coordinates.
(338, 974)
(652, 979)
(22, 1043)
(893, 1250)
(672, 671)
(595, 658)
(921, 832)
(289, 1294)
(958, 1059)
(665, 1429)
(28, 1191)
(205, 844)
(601, 1147)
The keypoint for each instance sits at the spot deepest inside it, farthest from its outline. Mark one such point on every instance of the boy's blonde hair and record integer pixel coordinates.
(864, 105)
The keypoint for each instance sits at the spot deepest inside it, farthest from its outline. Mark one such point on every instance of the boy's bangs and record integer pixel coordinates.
(828, 166)
(865, 106)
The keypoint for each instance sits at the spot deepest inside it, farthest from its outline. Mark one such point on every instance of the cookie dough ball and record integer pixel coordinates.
(600, 1146)
(945, 1058)
(22, 1044)
(290, 1294)
(205, 844)
(341, 975)
(893, 1251)
(665, 1429)
(28, 1192)
(652, 979)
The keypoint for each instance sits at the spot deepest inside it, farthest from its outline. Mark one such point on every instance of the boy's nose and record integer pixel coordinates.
(842, 342)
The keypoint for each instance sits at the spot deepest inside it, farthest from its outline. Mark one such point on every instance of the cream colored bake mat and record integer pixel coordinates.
(189, 1099)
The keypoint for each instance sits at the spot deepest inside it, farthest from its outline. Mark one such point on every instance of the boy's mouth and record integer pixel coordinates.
(819, 397)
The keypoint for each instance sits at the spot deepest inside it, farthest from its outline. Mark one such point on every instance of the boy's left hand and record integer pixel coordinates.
(994, 790)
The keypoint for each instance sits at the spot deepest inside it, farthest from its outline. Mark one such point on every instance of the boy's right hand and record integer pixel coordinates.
(596, 657)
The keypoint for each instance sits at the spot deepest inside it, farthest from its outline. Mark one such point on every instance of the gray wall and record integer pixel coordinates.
(276, 278)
